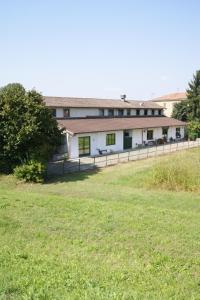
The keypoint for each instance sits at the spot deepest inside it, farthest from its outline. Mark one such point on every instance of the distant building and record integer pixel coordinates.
(168, 101)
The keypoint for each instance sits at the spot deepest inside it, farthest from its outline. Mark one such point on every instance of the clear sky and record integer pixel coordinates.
(100, 48)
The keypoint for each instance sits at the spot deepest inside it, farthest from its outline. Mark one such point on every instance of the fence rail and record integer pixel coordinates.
(88, 163)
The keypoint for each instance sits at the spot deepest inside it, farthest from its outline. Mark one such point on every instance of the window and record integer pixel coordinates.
(101, 112)
(178, 132)
(160, 112)
(164, 131)
(66, 113)
(128, 112)
(84, 145)
(54, 112)
(149, 135)
(110, 139)
(111, 112)
(152, 112)
(137, 112)
(120, 112)
(146, 112)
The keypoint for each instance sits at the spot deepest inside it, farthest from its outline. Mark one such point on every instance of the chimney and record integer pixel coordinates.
(123, 97)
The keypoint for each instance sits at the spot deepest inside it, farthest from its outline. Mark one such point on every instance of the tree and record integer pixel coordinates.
(27, 128)
(181, 111)
(190, 110)
(194, 86)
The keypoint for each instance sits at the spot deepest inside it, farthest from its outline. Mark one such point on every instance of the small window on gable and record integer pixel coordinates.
(54, 112)
(149, 135)
(66, 113)
(110, 139)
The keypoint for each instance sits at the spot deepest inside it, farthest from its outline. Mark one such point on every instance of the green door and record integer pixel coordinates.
(127, 140)
(84, 145)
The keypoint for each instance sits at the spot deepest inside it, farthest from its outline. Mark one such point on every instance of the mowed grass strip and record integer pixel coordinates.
(104, 235)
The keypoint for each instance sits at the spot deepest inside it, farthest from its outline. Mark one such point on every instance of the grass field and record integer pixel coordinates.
(104, 235)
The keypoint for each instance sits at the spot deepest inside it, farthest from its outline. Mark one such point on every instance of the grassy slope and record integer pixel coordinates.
(99, 236)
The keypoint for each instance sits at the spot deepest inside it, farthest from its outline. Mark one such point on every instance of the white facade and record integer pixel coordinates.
(96, 112)
(98, 140)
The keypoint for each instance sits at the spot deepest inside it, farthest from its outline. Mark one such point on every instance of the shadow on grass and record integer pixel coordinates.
(72, 177)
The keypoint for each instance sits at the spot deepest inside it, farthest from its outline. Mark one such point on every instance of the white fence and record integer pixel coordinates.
(87, 163)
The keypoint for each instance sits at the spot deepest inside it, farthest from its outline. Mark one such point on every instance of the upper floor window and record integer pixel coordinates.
(120, 112)
(128, 111)
(54, 112)
(111, 112)
(160, 112)
(146, 112)
(153, 112)
(137, 112)
(66, 113)
(101, 112)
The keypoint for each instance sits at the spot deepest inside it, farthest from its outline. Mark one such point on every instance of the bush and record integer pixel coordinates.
(32, 171)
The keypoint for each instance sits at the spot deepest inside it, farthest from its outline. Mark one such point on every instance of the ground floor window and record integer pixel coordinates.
(165, 131)
(149, 135)
(84, 145)
(110, 139)
(178, 132)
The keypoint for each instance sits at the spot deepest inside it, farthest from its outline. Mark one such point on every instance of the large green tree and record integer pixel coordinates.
(190, 110)
(27, 128)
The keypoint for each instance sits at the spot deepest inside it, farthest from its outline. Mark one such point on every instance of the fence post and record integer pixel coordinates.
(128, 155)
(79, 164)
(63, 168)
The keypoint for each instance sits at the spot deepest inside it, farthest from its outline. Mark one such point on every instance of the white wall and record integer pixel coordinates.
(83, 112)
(98, 140)
(168, 106)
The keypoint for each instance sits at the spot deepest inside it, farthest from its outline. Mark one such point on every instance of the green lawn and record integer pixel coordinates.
(102, 235)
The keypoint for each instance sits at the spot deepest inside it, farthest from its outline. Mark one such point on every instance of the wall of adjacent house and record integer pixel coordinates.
(168, 106)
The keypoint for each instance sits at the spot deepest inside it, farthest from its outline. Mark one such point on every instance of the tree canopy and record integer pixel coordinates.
(27, 128)
(189, 110)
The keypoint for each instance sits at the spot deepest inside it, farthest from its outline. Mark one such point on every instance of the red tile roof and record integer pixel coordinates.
(75, 126)
(96, 103)
(171, 97)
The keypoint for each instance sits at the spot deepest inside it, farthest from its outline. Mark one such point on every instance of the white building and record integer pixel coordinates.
(168, 102)
(98, 126)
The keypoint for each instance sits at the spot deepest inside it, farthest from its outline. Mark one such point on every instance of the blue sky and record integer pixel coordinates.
(100, 48)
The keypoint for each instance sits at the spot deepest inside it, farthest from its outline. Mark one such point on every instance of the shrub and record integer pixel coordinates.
(32, 171)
